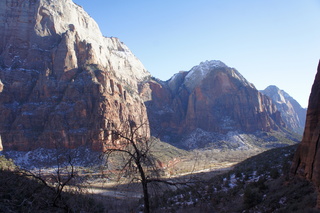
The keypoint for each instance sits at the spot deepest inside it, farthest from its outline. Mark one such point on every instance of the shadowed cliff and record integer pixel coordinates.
(306, 161)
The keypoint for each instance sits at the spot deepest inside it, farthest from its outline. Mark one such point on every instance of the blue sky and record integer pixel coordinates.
(270, 42)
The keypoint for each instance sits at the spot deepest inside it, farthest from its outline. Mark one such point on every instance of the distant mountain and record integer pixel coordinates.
(210, 104)
(291, 111)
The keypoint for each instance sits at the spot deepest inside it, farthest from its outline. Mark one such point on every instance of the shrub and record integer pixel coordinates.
(274, 173)
(6, 164)
(251, 197)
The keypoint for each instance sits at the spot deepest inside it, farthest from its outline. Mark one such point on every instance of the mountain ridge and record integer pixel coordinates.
(218, 100)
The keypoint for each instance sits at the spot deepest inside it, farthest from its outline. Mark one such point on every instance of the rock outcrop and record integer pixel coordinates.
(211, 97)
(291, 111)
(63, 83)
(306, 161)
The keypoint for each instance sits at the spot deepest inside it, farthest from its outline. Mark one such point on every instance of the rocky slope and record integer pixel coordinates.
(291, 111)
(306, 161)
(211, 102)
(63, 83)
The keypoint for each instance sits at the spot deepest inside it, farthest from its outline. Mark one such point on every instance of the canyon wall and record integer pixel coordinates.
(63, 82)
(306, 162)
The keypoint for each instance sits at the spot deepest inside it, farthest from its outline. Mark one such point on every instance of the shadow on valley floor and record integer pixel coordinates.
(259, 184)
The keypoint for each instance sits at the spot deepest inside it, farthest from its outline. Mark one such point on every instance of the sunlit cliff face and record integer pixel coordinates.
(63, 81)
(214, 98)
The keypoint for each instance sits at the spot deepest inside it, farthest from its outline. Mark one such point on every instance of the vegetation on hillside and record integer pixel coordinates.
(259, 184)
(22, 192)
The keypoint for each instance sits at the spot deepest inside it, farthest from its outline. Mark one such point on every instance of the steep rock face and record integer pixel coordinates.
(63, 83)
(291, 111)
(306, 161)
(211, 97)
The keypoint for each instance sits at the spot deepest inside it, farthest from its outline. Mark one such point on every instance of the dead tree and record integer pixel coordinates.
(57, 179)
(129, 140)
(135, 146)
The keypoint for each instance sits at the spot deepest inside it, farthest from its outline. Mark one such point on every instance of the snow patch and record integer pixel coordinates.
(43, 158)
(198, 73)
(200, 138)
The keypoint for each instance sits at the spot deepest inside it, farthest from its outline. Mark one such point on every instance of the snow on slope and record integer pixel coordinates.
(200, 72)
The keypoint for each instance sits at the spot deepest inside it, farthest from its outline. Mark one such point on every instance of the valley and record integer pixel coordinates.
(205, 187)
(85, 127)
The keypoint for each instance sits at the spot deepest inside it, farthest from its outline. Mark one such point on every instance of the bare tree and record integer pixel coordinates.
(130, 141)
(56, 180)
(57, 174)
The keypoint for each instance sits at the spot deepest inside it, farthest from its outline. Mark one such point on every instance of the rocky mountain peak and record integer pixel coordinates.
(211, 98)
(214, 67)
(44, 26)
(205, 66)
(292, 113)
(276, 94)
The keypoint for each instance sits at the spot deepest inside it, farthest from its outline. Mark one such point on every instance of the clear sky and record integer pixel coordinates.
(270, 42)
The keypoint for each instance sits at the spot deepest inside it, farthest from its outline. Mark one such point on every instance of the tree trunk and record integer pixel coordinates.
(318, 198)
(145, 196)
(144, 183)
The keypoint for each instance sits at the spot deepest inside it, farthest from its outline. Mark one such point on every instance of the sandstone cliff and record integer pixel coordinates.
(210, 98)
(291, 112)
(306, 161)
(63, 82)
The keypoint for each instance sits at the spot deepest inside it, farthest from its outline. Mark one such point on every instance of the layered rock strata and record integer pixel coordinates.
(63, 83)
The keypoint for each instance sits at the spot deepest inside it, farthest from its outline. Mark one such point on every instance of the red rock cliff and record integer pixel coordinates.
(306, 161)
(63, 82)
(211, 97)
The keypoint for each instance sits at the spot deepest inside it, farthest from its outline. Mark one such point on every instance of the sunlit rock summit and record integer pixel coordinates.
(291, 111)
(62, 82)
(208, 103)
